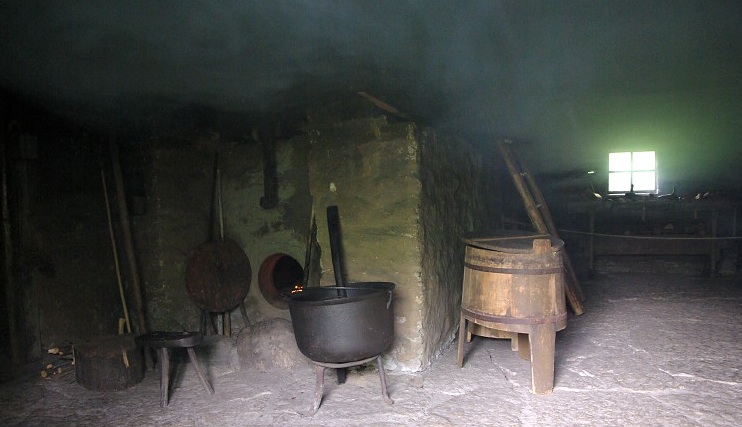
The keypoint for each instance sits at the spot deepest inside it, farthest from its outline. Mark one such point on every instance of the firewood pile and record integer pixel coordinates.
(60, 364)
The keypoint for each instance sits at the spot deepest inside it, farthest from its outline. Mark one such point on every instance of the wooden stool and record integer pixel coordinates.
(162, 341)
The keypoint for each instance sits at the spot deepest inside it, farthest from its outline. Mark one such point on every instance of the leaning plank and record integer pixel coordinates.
(536, 217)
(543, 207)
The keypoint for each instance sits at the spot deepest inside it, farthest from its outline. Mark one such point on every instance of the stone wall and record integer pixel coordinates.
(179, 193)
(176, 221)
(65, 243)
(459, 197)
(264, 232)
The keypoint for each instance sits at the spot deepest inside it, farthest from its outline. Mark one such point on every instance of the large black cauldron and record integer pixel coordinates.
(343, 324)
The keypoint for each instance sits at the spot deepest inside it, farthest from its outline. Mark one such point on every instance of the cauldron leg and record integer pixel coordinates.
(342, 374)
(318, 388)
(382, 377)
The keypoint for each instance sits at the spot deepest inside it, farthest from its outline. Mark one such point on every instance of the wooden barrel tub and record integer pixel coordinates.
(513, 287)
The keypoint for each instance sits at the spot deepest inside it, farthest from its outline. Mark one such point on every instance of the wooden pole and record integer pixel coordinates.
(227, 315)
(536, 217)
(115, 253)
(531, 209)
(128, 241)
(543, 207)
(10, 283)
(219, 201)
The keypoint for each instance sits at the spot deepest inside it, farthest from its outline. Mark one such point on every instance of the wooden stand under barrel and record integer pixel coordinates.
(513, 288)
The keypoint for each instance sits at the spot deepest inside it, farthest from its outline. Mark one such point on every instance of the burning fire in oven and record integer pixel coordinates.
(297, 288)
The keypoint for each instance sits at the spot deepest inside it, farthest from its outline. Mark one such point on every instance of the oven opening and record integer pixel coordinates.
(280, 274)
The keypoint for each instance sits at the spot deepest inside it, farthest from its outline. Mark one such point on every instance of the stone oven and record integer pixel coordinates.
(406, 195)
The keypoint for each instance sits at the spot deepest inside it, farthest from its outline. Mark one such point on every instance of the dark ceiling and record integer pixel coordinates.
(571, 79)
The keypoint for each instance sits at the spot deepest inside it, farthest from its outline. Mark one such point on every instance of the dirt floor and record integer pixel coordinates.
(659, 350)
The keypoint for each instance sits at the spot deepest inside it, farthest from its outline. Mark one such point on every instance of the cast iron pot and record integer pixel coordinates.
(332, 328)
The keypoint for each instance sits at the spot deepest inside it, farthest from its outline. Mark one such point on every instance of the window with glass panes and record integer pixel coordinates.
(632, 171)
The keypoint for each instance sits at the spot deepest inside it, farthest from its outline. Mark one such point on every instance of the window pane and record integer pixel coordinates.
(619, 162)
(619, 181)
(643, 161)
(644, 181)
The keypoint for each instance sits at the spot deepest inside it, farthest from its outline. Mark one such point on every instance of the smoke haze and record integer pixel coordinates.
(531, 69)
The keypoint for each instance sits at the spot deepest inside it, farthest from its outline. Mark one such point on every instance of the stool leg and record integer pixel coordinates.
(214, 322)
(164, 357)
(319, 387)
(382, 378)
(462, 331)
(206, 320)
(199, 371)
(542, 341)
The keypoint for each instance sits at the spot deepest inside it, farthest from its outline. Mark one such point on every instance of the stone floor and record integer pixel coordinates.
(659, 350)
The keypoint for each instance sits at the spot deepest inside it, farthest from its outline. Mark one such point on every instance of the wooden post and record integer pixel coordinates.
(591, 245)
(714, 230)
(22, 240)
(128, 241)
(10, 283)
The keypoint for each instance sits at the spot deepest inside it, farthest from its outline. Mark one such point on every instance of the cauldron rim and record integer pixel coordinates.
(367, 287)
(327, 295)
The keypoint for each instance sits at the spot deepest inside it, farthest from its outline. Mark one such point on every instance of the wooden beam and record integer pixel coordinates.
(537, 218)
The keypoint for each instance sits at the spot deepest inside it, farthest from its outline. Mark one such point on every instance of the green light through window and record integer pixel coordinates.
(638, 169)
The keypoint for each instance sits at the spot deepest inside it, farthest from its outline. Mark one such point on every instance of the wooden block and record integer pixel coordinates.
(109, 363)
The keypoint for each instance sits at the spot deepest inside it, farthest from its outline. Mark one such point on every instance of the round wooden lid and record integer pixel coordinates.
(218, 276)
(514, 244)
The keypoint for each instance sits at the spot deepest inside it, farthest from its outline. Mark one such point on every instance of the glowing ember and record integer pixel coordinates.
(297, 288)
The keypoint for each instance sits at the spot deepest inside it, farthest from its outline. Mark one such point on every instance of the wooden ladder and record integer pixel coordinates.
(540, 217)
